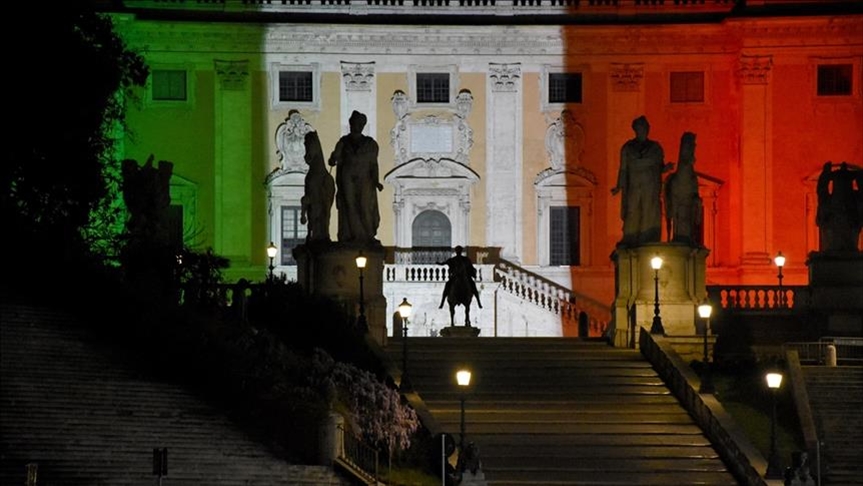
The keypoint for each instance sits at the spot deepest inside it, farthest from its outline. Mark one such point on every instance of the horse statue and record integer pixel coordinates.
(460, 288)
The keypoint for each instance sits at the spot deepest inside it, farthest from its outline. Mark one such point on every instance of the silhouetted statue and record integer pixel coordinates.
(320, 190)
(683, 206)
(460, 287)
(840, 207)
(642, 162)
(357, 179)
(146, 192)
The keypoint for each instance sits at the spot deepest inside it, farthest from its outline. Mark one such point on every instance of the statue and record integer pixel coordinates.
(316, 204)
(840, 207)
(146, 192)
(460, 288)
(683, 206)
(642, 163)
(357, 180)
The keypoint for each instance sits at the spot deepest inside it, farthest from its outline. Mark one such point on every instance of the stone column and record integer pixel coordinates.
(359, 92)
(233, 162)
(503, 178)
(755, 151)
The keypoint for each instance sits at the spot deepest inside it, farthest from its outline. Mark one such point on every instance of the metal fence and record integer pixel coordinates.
(849, 350)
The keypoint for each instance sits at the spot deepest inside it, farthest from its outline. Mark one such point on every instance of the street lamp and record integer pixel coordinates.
(774, 471)
(779, 260)
(271, 252)
(704, 311)
(462, 377)
(656, 328)
(361, 321)
(405, 313)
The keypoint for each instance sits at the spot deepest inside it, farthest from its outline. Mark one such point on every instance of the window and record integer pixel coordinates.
(293, 233)
(432, 87)
(834, 79)
(169, 85)
(295, 86)
(564, 87)
(687, 87)
(563, 238)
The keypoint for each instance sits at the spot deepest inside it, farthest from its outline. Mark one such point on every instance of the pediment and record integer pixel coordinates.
(578, 177)
(432, 169)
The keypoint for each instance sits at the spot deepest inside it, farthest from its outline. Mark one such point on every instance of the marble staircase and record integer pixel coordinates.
(560, 411)
(69, 404)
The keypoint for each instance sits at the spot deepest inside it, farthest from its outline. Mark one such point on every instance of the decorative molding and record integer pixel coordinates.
(564, 141)
(290, 144)
(431, 137)
(504, 77)
(232, 74)
(626, 76)
(755, 69)
(358, 76)
(463, 103)
(401, 104)
(547, 176)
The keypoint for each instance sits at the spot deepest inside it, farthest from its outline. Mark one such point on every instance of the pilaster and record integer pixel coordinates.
(504, 160)
(359, 92)
(756, 172)
(233, 161)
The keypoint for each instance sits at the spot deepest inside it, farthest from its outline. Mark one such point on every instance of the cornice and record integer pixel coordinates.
(423, 40)
(835, 31)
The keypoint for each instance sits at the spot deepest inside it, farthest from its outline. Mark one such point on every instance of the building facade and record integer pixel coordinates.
(500, 125)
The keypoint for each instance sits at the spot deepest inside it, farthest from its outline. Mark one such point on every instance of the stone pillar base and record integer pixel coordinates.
(459, 331)
(681, 288)
(329, 269)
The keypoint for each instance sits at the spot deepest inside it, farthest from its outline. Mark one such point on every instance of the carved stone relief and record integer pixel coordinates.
(432, 136)
(290, 137)
(755, 69)
(358, 76)
(564, 141)
(232, 74)
(504, 77)
(626, 77)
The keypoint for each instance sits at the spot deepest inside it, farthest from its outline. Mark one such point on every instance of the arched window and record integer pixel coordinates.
(431, 228)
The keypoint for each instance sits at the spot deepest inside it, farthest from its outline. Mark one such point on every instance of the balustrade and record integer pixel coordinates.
(758, 297)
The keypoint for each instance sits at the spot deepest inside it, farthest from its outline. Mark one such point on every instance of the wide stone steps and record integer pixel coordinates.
(71, 405)
(836, 401)
(560, 411)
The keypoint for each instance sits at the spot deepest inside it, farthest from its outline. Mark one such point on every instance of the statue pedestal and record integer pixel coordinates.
(836, 283)
(459, 331)
(329, 269)
(681, 288)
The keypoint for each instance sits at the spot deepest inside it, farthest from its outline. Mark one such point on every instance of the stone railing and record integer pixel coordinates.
(423, 264)
(551, 296)
(740, 456)
(759, 297)
(445, 7)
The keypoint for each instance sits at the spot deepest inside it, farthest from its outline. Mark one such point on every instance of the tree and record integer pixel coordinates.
(74, 72)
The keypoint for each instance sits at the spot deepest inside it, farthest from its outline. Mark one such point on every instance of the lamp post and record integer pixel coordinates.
(779, 260)
(656, 328)
(405, 313)
(704, 311)
(271, 252)
(361, 321)
(774, 471)
(462, 377)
